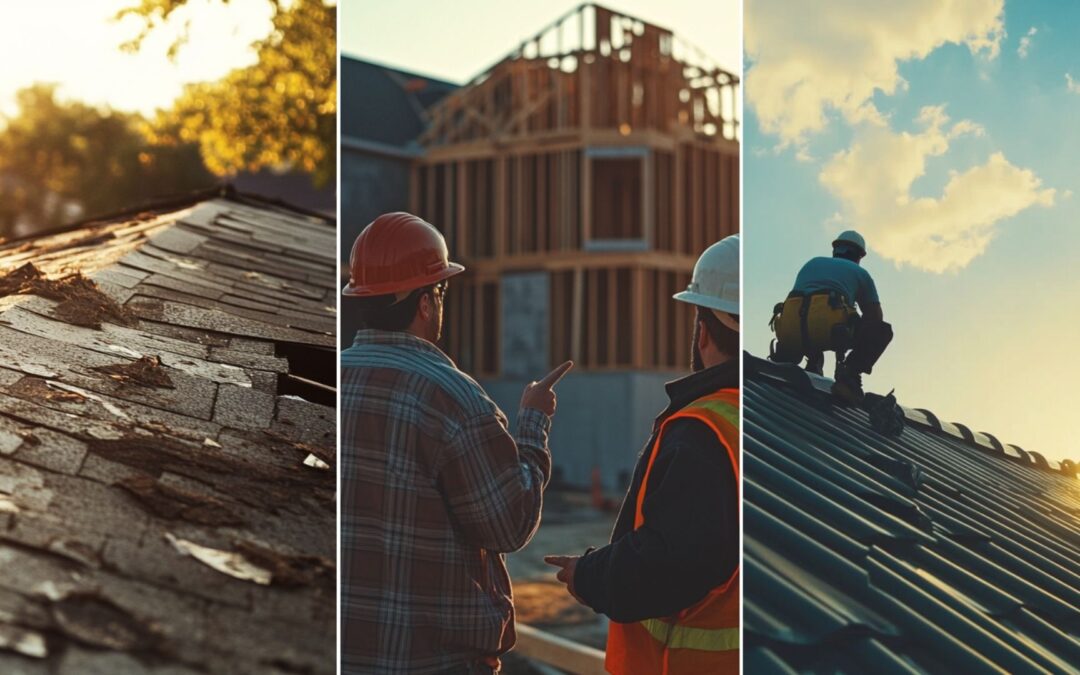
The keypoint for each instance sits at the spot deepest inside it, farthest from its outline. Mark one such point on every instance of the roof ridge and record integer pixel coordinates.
(164, 204)
(815, 390)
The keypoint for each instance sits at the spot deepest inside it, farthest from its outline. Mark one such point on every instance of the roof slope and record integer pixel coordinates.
(384, 104)
(156, 511)
(931, 552)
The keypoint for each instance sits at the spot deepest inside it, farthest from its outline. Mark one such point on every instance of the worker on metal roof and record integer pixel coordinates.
(435, 488)
(820, 315)
(669, 578)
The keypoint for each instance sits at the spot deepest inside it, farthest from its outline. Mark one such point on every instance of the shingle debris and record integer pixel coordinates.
(145, 371)
(80, 301)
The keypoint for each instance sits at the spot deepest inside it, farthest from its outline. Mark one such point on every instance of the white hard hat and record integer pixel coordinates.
(715, 284)
(851, 237)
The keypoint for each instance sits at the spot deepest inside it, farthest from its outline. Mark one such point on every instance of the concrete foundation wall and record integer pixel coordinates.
(603, 419)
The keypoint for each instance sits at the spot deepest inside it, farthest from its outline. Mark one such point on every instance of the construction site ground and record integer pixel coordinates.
(569, 526)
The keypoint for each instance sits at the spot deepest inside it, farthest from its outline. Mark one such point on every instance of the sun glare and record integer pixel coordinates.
(77, 46)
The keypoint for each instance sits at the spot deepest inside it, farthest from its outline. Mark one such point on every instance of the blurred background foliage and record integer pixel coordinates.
(279, 111)
(65, 160)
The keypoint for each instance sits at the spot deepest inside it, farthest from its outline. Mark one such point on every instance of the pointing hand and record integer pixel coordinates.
(539, 395)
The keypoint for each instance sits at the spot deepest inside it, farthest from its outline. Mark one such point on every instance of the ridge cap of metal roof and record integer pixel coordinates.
(1018, 454)
(985, 441)
(965, 431)
(1040, 460)
(998, 445)
(787, 373)
(1068, 467)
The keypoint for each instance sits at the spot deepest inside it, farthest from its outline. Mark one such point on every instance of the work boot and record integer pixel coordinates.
(848, 384)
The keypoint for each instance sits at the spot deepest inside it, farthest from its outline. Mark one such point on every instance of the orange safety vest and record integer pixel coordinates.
(702, 639)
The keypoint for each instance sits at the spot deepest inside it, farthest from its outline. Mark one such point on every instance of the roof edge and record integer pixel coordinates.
(158, 205)
(797, 378)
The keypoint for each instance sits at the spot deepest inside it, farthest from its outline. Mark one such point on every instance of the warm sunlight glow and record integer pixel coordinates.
(77, 45)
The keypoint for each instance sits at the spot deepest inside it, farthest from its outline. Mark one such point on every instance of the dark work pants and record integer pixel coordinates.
(871, 339)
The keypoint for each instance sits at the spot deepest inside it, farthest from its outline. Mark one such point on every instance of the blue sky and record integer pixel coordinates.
(980, 284)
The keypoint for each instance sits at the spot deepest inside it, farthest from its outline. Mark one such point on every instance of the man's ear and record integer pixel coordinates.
(425, 309)
(702, 336)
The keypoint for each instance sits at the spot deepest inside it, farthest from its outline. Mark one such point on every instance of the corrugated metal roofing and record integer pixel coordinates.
(156, 511)
(934, 551)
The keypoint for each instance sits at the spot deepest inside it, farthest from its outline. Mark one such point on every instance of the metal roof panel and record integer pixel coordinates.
(928, 552)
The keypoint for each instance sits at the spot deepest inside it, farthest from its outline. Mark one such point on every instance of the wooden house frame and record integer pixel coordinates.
(603, 152)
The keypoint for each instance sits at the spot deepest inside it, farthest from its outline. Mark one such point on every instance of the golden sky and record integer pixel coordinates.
(76, 45)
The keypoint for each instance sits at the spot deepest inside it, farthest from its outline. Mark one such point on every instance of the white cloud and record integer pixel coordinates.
(1071, 84)
(1025, 42)
(807, 62)
(873, 181)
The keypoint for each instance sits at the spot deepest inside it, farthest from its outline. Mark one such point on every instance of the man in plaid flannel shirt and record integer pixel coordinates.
(435, 487)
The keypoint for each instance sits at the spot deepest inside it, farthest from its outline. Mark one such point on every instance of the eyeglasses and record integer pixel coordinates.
(439, 290)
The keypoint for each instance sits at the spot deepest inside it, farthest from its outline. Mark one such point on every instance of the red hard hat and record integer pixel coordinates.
(398, 252)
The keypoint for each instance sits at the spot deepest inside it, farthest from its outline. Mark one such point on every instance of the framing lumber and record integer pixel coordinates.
(512, 164)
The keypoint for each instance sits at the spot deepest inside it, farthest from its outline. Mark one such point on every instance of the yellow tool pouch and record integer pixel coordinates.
(808, 324)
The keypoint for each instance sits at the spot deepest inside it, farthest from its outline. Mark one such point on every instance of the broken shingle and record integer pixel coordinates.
(151, 420)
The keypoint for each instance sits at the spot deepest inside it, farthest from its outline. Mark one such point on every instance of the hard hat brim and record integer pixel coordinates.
(707, 301)
(450, 270)
(849, 243)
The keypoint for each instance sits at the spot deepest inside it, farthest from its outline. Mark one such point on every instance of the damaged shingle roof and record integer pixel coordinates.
(162, 505)
(935, 551)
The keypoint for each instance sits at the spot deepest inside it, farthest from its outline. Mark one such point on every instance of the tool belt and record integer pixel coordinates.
(811, 323)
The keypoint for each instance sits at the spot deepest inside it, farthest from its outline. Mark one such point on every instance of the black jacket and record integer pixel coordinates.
(690, 541)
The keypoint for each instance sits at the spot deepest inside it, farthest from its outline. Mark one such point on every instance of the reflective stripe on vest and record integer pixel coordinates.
(703, 638)
(685, 637)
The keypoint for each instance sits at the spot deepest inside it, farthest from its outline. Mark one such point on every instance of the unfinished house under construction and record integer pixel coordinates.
(578, 179)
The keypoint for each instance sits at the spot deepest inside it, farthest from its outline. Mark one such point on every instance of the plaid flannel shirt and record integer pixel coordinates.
(435, 490)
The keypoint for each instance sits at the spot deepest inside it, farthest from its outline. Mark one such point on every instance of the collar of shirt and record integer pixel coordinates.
(685, 390)
(395, 338)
